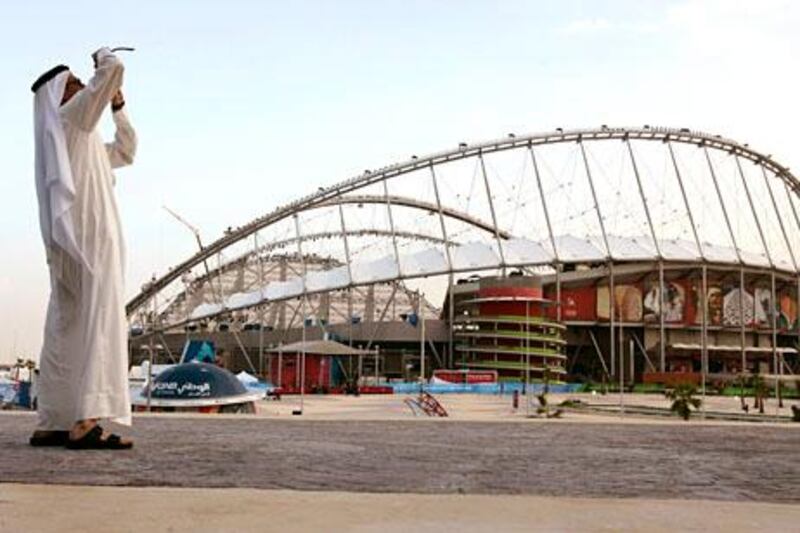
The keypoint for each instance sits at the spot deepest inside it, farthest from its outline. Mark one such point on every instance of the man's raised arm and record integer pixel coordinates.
(86, 107)
(122, 150)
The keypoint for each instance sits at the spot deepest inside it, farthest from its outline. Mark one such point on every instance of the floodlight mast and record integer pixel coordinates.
(217, 297)
(183, 221)
(196, 233)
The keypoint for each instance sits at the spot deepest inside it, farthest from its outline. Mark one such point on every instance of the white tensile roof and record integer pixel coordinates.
(481, 255)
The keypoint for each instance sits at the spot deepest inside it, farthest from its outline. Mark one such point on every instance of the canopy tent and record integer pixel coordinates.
(321, 348)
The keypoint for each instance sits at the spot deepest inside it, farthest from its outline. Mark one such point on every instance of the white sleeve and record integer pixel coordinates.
(122, 149)
(86, 107)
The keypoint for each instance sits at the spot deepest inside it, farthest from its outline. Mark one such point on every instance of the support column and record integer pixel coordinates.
(448, 256)
(261, 306)
(280, 367)
(661, 325)
(611, 315)
(558, 291)
(797, 222)
(377, 369)
(609, 257)
(774, 319)
(657, 246)
(346, 245)
(722, 205)
(303, 303)
(556, 262)
(704, 336)
(420, 305)
(686, 201)
(391, 228)
(790, 248)
(494, 215)
(350, 316)
(785, 235)
(742, 325)
(727, 223)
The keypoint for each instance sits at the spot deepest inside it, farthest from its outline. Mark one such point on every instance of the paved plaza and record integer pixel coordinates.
(676, 460)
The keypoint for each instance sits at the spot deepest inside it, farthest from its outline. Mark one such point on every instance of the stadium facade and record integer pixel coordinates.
(633, 254)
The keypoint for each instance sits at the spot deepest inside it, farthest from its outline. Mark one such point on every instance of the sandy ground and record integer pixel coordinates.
(78, 509)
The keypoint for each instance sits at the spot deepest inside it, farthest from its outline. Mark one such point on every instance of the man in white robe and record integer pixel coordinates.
(83, 377)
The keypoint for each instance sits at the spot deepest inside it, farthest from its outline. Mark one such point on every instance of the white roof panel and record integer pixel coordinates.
(283, 289)
(243, 299)
(719, 254)
(679, 250)
(474, 255)
(381, 270)
(431, 260)
(754, 258)
(335, 278)
(631, 248)
(576, 249)
(524, 251)
(203, 310)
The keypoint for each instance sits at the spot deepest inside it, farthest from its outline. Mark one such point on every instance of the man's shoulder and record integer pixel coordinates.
(71, 122)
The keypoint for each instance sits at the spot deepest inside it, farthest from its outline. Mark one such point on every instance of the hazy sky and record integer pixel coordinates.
(241, 106)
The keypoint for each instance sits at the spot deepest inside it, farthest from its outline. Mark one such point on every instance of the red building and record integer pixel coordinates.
(316, 365)
(503, 325)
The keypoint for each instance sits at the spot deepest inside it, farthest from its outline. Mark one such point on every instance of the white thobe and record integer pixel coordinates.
(84, 358)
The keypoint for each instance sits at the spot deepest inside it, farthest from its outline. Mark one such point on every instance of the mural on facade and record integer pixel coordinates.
(736, 304)
(675, 301)
(627, 303)
(683, 305)
(763, 307)
(788, 317)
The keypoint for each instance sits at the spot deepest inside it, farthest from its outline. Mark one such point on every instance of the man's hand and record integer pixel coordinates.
(96, 53)
(117, 101)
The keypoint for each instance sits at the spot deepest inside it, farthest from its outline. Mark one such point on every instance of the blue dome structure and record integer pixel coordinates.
(196, 386)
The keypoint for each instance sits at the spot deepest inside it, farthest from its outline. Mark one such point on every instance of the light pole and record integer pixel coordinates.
(527, 359)
(303, 361)
(420, 298)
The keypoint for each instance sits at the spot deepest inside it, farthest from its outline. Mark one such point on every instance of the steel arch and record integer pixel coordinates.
(237, 261)
(333, 193)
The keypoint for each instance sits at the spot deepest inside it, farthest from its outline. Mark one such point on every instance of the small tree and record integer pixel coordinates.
(760, 392)
(544, 406)
(742, 383)
(683, 400)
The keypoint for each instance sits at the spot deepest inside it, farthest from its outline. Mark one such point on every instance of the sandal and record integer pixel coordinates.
(93, 440)
(49, 438)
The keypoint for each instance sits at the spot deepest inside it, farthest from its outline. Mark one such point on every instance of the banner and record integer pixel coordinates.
(578, 304)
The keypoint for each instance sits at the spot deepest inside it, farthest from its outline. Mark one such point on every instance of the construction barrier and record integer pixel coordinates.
(483, 388)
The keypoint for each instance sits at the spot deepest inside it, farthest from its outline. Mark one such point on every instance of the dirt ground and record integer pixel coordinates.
(484, 407)
(86, 510)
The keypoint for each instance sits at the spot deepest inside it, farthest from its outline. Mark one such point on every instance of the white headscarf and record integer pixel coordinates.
(54, 184)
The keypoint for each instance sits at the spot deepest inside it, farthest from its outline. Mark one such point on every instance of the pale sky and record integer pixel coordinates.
(242, 106)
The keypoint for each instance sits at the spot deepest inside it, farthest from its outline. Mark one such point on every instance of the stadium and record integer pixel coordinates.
(609, 255)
